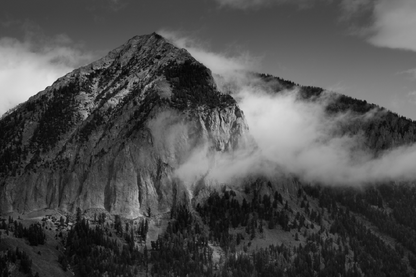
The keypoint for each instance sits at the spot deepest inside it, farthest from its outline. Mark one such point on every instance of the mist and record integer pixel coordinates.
(29, 65)
(290, 135)
(298, 137)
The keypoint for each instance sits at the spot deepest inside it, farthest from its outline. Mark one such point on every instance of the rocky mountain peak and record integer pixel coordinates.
(110, 135)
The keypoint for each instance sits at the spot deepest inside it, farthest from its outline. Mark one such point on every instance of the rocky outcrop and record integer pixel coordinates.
(111, 134)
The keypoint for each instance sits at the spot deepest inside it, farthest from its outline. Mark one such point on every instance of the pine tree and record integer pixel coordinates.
(78, 214)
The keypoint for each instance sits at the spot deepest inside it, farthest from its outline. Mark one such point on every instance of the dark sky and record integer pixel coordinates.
(362, 48)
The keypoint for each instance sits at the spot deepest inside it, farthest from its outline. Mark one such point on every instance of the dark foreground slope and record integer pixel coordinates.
(252, 232)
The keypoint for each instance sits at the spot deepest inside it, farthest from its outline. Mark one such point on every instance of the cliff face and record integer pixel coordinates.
(111, 134)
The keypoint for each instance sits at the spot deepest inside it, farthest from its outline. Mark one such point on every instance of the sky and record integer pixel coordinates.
(362, 48)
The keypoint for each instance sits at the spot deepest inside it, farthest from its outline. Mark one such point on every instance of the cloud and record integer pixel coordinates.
(116, 5)
(338, 87)
(29, 65)
(219, 63)
(383, 23)
(390, 24)
(355, 6)
(412, 96)
(410, 73)
(291, 136)
(255, 4)
(245, 4)
(107, 5)
(394, 24)
(351, 9)
(299, 138)
(348, 7)
(227, 69)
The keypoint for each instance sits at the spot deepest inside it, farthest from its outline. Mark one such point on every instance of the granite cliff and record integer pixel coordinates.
(110, 135)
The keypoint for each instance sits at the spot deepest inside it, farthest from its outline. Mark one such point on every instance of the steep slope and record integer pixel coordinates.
(110, 134)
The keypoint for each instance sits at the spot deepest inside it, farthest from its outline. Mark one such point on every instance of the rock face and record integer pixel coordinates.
(111, 134)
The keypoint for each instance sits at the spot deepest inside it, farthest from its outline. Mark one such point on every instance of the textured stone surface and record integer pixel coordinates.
(111, 134)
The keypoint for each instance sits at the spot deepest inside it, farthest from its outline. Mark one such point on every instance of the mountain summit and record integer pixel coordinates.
(110, 135)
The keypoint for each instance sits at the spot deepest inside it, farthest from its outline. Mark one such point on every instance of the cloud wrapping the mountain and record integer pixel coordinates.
(301, 138)
(28, 66)
(298, 137)
(218, 63)
(229, 71)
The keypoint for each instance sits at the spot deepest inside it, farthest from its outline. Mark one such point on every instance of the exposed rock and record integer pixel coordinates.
(111, 134)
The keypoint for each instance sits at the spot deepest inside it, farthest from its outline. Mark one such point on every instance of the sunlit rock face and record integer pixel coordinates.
(111, 134)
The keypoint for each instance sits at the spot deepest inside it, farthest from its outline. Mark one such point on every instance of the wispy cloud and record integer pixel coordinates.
(412, 96)
(219, 63)
(300, 138)
(255, 4)
(382, 23)
(394, 24)
(338, 87)
(348, 7)
(245, 4)
(97, 7)
(351, 8)
(291, 136)
(30, 64)
(410, 73)
(116, 5)
(225, 67)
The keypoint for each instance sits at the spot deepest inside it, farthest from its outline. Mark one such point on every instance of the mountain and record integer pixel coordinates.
(88, 180)
(110, 135)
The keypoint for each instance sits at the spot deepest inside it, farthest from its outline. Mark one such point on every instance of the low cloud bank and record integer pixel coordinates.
(292, 136)
(297, 137)
(301, 138)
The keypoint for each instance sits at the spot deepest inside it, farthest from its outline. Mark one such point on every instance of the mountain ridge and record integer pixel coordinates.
(85, 114)
(91, 109)
(76, 121)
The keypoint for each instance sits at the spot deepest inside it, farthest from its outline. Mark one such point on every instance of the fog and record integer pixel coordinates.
(301, 138)
(291, 136)
(298, 137)
(30, 65)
